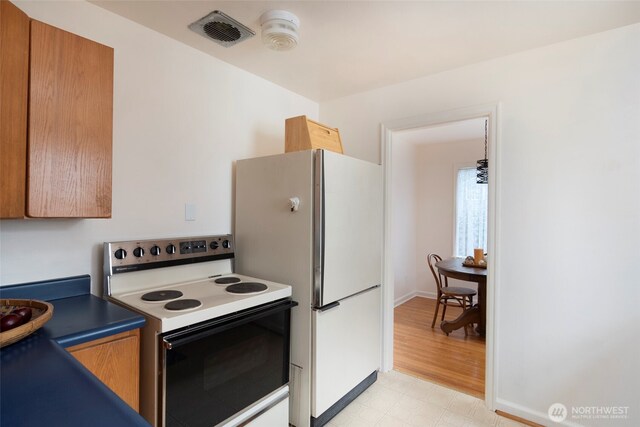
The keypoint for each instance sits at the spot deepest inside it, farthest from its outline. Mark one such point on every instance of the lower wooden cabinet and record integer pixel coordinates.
(115, 360)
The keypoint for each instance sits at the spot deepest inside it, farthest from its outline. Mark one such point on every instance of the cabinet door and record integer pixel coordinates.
(14, 72)
(70, 125)
(115, 361)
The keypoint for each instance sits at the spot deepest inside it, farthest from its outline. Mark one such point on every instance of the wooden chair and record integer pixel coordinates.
(463, 297)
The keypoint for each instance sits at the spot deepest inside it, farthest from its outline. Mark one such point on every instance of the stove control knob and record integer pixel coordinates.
(171, 249)
(138, 252)
(120, 254)
(213, 245)
(155, 250)
(226, 244)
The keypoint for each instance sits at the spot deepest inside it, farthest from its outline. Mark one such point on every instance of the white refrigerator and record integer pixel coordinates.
(313, 219)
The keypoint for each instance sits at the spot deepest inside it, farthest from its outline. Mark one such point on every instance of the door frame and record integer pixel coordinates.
(492, 111)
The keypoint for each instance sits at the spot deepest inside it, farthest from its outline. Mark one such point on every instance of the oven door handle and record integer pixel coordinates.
(177, 339)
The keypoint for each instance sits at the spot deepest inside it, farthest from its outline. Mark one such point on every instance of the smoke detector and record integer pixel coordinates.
(279, 29)
(222, 29)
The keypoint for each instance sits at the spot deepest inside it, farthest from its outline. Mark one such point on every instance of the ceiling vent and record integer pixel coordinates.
(222, 29)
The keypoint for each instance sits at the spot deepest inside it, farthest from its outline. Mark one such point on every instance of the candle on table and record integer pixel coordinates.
(478, 255)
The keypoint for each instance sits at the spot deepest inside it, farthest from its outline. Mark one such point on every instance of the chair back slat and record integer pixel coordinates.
(431, 260)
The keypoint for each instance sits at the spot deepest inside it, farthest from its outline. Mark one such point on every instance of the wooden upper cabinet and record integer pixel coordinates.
(14, 72)
(70, 125)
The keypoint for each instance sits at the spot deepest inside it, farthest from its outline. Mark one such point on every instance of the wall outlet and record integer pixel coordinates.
(189, 212)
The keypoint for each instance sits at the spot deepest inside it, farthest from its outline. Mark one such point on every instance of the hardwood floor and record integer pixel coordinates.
(456, 361)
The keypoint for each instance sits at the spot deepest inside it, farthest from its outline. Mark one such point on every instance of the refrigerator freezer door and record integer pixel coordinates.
(275, 243)
(351, 214)
(346, 348)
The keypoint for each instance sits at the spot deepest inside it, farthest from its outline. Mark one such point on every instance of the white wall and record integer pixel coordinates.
(568, 211)
(181, 118)
(437, 166)
(404, 221)
(423, 186)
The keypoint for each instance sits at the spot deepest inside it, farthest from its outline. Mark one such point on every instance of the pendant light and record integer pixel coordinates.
(482, 166)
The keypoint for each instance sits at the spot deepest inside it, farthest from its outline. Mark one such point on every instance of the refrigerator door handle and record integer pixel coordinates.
(337, 303)
(328, 306)
(362, 292)
(318, 227)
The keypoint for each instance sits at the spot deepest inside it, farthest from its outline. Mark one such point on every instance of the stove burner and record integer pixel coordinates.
(246, 288)
(227, 280)
(161, 295)
(182, 304)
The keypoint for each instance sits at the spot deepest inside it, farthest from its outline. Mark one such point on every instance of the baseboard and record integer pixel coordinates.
(425, 294)
(517, 419)
(411, 295)
(521, 412)
(403, 299)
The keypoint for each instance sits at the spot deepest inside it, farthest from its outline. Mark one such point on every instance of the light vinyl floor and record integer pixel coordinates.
(400, 400)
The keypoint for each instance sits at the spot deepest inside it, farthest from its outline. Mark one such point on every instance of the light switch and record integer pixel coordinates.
(189, 212)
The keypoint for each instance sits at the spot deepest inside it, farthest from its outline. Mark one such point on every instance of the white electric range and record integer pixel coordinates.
(215, 346)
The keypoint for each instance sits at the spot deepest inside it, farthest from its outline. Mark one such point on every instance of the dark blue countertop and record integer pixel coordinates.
(41, 383)
(84, 318)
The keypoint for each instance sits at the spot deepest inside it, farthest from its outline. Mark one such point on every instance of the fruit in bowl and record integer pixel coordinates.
(21, 317)
(24, 312)
(18, 316)
(10, 321)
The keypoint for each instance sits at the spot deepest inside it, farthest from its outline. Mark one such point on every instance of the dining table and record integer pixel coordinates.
(454, 268)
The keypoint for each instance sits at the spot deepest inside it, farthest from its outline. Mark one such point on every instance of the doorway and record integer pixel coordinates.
(391, 132)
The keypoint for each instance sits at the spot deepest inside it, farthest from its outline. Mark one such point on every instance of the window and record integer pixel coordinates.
(471, 213)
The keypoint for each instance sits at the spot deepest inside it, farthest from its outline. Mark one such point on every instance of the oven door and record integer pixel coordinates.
(214, 370)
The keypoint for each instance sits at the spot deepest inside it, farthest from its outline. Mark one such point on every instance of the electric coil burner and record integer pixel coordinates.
(227, 280)
(246, 288)
(159, 296)
(198, 337)
(182, 304)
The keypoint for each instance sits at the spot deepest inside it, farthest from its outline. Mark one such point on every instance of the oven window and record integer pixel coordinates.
(212, 378)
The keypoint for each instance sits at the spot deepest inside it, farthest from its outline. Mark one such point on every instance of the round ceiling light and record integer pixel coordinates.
(279, 29)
